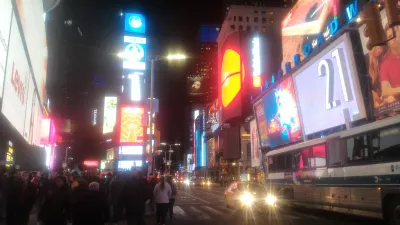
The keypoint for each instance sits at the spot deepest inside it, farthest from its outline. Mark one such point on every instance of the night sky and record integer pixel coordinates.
(87, 54)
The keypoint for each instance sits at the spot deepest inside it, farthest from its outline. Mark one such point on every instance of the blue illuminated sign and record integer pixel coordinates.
(135, 23)
(352, 11)
(134, 53)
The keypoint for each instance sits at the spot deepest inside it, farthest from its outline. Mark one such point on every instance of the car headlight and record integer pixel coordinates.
(246, 199)
(208, 183)
(270, 199)
(187, 182)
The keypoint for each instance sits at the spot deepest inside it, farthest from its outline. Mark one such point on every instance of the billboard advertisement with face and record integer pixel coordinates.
(384, 70)
(255, 150)
(197, 85)
(335, 92)
(110, 114)
(131, 129)
(307, 25)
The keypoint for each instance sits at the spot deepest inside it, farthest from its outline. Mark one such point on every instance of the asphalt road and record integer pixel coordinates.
(197, 205)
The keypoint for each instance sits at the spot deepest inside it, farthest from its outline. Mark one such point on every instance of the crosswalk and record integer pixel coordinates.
(211, 212)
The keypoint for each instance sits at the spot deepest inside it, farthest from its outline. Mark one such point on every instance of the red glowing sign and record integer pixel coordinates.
(91, 163)
(45, 131)
(131, 128)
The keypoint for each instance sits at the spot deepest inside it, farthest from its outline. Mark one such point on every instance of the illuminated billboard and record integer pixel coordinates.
(261, 124)
(17, 81)
(384, 69)
(256, 61)
(335, 91)
(135, 23)
(131, 150)
(197, 85)
(91, 163)
(308, 24)
(34, 31)
(281, 114)
(136, 87)
(255, 150)
(231, 81)
(131, 129)
(129, 164)
(134, 53)
(5, 18)
(110, 114)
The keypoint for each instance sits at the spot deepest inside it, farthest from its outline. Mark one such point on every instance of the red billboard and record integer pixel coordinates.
(131, 126)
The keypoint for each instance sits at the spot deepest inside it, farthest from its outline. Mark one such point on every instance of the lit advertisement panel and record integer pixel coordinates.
(16, 81)
(134, 53)
(131, 150)
(135, 23)
(131, 129)
(31, 16)
(384, 69)
(261, 124)
(335, 88)
(128, 164)
(307, 25)
(255, 150)
(29, 109)
(90, 163)
(5, 18)
(110, 114)
(280, 109)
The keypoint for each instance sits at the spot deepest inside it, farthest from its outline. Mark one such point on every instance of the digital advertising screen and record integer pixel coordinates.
(16, 85)
(384, 69)
(131, 129)
(281, 113)
(110, 114)
(135, 23)
(261, 123)
(198, 85)
(128, 164)
(131, 150)
(34, 31)
(335, 94)
(307, 25)
(134, 53)
(5, 22)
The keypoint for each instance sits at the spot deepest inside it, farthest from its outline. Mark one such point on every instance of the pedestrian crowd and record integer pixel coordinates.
(84, 200)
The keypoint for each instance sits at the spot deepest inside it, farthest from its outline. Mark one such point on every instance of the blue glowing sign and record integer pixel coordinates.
(134, 53)
(135, 23)
(352, 11)
(327, 33)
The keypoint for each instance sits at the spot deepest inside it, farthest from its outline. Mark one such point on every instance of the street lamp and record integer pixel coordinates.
(170, 151)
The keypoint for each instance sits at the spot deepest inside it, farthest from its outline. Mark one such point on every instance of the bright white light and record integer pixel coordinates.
(246, 199)
(196, 114)
(129, 164)
(176, 57)
(358, 20)
(48, 155)
(131, 150)
(44, 16)
(121, 14)
(135, 86)
(256, 57)
(270, 199)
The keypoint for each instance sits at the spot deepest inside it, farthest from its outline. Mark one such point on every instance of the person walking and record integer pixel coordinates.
(115, 189)
(172, 198)
(162, 193)
(26, 199)
(55, 209)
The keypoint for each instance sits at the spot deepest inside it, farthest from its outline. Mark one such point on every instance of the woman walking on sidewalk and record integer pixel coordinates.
(172, 198)
(162, 193)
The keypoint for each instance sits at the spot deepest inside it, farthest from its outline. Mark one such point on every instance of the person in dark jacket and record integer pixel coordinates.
(89, 207)
(115, 189)
(55, 209)
(133, 197)
(26, 199)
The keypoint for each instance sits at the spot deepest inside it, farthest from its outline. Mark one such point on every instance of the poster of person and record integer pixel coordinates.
(383, 63)
(255, 150)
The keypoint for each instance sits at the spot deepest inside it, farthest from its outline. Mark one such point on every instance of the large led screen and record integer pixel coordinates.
(384, 70)
(307, 25)
(281, 113)
(34, 31)
(134, 53)
(110, 114)
(135, 23)
(5, 22)
(328, 89)
(131, 129)
(16, 81)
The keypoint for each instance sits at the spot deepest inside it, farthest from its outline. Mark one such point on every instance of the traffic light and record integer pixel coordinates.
(392, 8)
(373, 26)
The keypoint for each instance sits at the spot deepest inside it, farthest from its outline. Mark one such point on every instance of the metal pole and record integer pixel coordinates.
(151, 106)
(169, 158)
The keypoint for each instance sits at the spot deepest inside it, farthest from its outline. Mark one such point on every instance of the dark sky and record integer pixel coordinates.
(172, 26)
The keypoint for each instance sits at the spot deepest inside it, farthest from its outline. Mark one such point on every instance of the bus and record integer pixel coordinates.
(356, 171)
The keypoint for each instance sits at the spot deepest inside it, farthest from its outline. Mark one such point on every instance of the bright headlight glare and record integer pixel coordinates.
(247, 199)
(270, 199)
(187, 182)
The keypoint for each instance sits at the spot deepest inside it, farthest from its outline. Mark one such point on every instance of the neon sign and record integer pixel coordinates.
(327, 33)
(352, 10)
(136, 94)
(256, 62)
(135, 23)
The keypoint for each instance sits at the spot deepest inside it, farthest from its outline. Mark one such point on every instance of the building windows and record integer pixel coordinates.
(264, 29)
(271, 21)
(255, 11)
(263, 12)
(271, 13)
(232, 27)
(256, 19)
(255, 27)
(234, 18)
(247, 19)
(263, 20)
(248, 28)
(240, 27)
(240, 19)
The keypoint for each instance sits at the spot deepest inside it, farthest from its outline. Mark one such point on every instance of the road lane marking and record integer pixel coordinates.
(199, 214)
(197, 198)
(213, 211)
